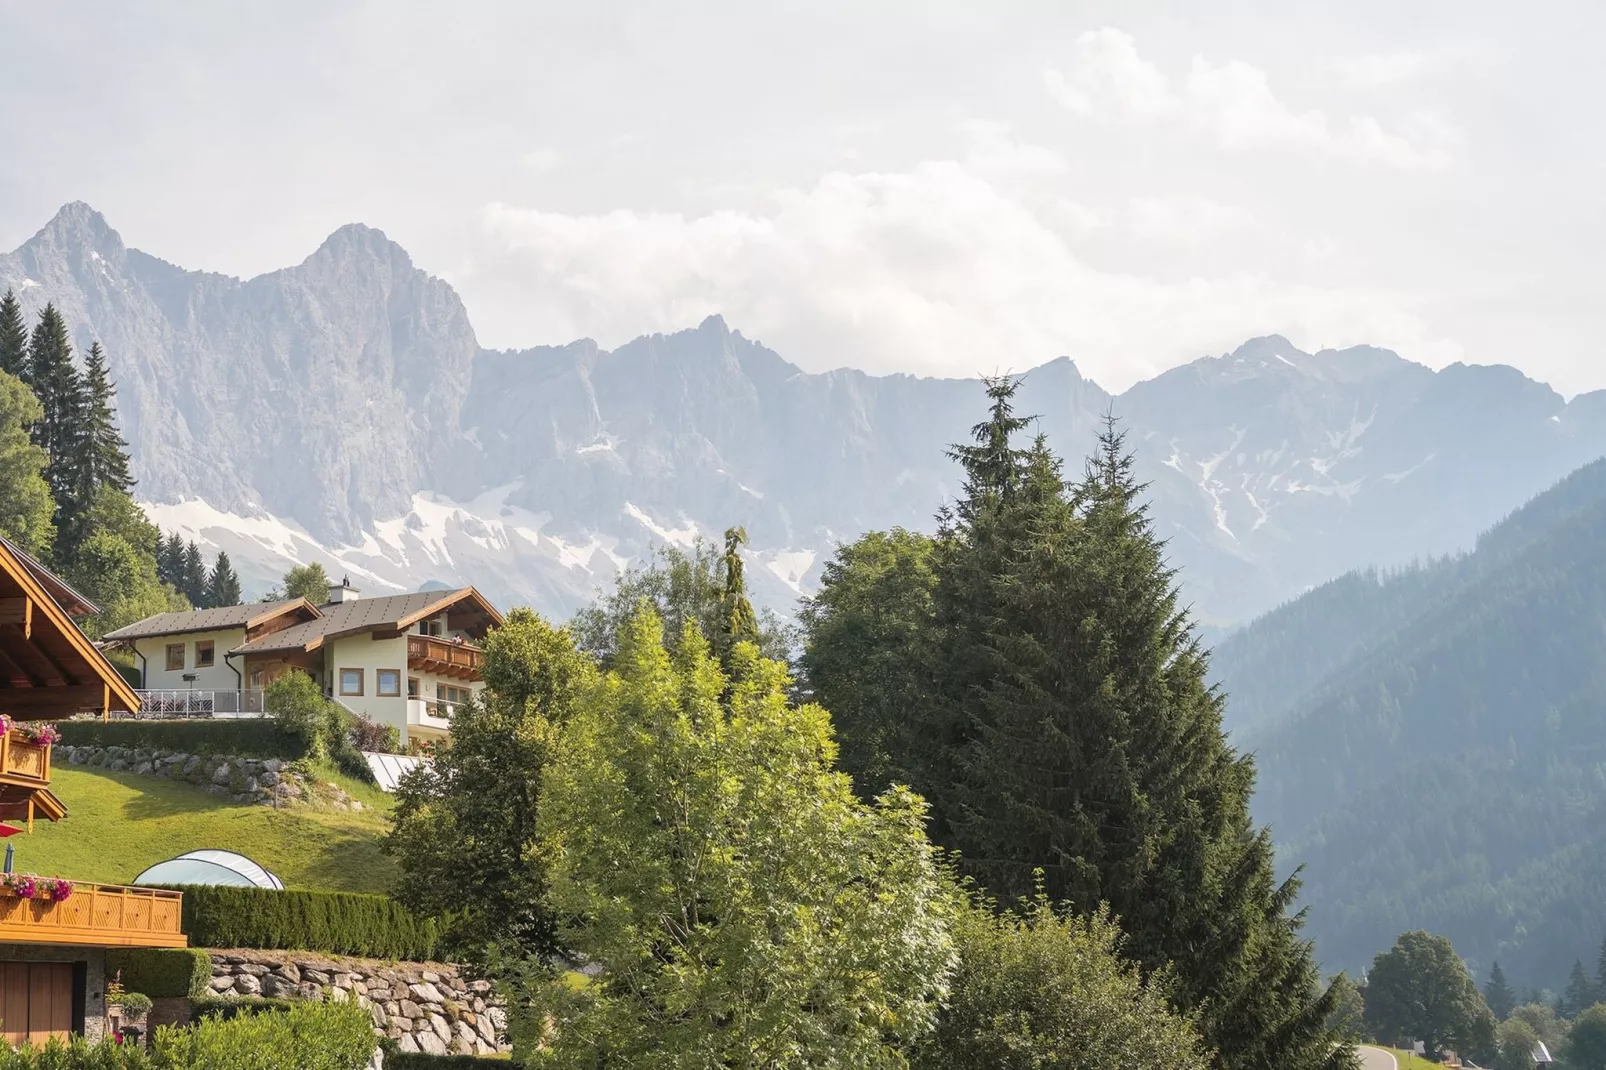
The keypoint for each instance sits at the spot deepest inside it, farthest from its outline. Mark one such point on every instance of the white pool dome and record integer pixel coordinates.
(210, 867)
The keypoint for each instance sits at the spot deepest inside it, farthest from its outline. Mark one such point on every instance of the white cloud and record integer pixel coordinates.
(1230, 103)
(1390, 68)
(542, 159)
(1185, 220)
(935, 270)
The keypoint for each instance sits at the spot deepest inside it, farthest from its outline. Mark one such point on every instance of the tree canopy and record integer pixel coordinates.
(1420, 990)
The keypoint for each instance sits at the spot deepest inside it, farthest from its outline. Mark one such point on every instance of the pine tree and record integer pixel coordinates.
(1600, 971)
(61, 431)
(13, 337)
(193, 585)
(1580, 994)
(223, 586)
(737, 621)
(1070, 740)
(170, 561)
(107, 460)
(1498, 995)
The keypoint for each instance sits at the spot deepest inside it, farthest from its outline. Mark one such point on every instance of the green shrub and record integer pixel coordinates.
(263, 738)
(234, 1006)
(161, 973)
(135, 1004)
(335, 923)
(331, 732)
(305, 1036)
(417, 1060)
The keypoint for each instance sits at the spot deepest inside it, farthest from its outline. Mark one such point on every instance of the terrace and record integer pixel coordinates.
(445, 657)
(95, 915)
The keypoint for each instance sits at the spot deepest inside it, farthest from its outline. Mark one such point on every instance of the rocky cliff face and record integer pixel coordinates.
(341, 410)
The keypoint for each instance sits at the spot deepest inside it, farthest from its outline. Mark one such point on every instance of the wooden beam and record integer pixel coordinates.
(54, 662)
(8, 662)
(18, 609)
(45, 703)
(106, 702)
(387, 633)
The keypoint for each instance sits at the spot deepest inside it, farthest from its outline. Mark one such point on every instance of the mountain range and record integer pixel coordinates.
(1432, 743)
(342, 410)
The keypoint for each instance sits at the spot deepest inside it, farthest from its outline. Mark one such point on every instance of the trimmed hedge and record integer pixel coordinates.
(224, 1008)
(161, 973)
(417, 1060)
(264, 738)
(335, 923)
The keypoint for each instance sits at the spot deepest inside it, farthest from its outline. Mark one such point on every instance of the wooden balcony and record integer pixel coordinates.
(23, 763)
(96, 915)
(443, 657)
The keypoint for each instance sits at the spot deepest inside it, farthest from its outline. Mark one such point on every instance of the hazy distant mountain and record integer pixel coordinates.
(1432, 743)
(342, 410)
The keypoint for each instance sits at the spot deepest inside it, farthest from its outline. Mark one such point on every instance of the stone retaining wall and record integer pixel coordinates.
(253, 781)
(428, 1007)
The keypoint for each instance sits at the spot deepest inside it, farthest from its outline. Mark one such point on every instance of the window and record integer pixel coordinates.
(175, 657)
(412, 687)
(429, 627)
(203, 653)
(351, 681)
(448, 693)
(387, 683)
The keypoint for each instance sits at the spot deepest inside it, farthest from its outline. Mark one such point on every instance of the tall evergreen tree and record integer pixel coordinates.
(107, 460)
(222, 586)
(194, 577)
(170, 561)
(1070, 736)
(1498, 995)
(13, 337)
(61, 431)
(737, 621)
(1600, 971)
(1580, 994)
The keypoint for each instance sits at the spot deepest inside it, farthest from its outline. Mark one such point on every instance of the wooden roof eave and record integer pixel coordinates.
(451, 599)
(117, 689)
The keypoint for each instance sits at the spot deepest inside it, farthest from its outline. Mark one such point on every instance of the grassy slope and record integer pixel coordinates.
(118, 824)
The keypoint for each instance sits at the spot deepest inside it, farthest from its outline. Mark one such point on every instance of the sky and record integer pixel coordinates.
(934, 188)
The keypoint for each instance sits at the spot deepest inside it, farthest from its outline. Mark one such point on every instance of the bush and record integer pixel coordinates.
(135, 1005)
(330, 731)
(242, 739)
(225, 1007)
(417, 1060)
(335, 923)
(307, 1036)
(159, 972)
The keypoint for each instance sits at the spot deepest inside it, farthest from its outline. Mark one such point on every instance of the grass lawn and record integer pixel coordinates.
(118, 824)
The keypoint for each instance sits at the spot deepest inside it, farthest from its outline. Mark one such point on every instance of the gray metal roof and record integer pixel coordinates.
(360, 615)
(201, 620)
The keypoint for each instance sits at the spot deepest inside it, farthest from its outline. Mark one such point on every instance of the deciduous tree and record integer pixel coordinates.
(1038, 988)
(1421, 990)
(743, 907)
(465, 824)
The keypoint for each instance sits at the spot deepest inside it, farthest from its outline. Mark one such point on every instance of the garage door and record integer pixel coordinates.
(36, 1001)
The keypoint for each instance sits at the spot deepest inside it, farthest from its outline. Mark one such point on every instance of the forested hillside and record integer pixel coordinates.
(1432, 742)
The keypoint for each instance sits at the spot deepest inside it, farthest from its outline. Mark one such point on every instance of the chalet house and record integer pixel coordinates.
(402, 660)
(54, 934)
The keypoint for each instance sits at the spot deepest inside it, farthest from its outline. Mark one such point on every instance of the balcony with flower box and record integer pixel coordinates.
(48, 910)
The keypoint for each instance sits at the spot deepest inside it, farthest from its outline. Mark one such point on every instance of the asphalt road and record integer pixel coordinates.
(1377, 1059)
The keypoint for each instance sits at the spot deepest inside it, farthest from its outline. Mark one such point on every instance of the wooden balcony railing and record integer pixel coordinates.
(444, 657)
(96, 915)
(22, 762)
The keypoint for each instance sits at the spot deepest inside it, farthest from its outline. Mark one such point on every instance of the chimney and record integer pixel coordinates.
(342, 592)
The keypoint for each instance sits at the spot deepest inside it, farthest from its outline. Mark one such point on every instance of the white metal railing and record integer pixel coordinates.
(430, 713)
(189, 702)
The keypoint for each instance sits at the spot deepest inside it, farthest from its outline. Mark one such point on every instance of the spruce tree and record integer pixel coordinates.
(62, 430)
(1498, 995)
(170, 561)
(1580, 994)
(13, 337)
(193, 576)
(1600, 971)
(1071, 741)
(107, 459)
(222, 586)
(737, 621)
